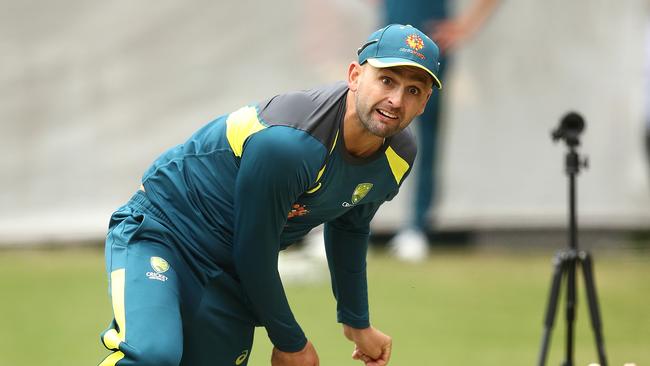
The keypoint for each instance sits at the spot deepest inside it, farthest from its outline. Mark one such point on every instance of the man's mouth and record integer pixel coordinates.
(386, 114)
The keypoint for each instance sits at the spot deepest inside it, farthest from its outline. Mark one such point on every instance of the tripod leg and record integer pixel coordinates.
(559, 262)
(592, 298)
(570, 305)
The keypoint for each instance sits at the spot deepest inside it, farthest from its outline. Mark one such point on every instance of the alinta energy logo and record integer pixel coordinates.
(297, 209)
(415, 44)
(159, 266)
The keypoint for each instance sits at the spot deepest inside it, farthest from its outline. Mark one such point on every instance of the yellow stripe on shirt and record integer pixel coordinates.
(239, 125)
(398, 166)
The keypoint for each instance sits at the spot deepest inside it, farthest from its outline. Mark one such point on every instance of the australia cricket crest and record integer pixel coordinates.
(359, 192)
(159, 266)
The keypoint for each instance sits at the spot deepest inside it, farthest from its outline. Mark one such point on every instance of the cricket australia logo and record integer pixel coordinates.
(358, 194)
(159, 266)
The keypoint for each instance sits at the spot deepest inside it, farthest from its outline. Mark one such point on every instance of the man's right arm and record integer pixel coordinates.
(277, 165)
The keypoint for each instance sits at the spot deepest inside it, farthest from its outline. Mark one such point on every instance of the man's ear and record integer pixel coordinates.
(424, 106)
(354, 73)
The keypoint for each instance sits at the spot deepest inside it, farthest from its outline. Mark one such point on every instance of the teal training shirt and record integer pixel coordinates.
(252, 182)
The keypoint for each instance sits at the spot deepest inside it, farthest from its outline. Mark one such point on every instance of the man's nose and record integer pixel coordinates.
(395, 97)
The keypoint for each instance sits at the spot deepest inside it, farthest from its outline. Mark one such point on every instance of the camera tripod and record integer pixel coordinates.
(566, 261)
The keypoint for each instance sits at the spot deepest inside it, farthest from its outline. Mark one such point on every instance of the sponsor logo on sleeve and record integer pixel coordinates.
(240, 360)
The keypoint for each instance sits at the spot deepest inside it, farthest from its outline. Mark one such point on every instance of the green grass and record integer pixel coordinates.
(458, 308)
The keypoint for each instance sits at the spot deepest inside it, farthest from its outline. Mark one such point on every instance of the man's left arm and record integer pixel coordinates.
(346, 245)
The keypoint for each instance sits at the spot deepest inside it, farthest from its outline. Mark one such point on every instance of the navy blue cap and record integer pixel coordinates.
(401, 45)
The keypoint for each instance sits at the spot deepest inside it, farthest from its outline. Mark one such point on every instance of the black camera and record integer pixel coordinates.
(570, 128)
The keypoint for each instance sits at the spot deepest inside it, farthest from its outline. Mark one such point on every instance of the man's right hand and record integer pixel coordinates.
(305, 357)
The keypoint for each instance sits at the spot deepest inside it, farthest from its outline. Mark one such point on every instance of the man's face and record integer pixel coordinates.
(388, 99)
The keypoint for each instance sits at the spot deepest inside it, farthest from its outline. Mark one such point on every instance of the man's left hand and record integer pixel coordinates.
(371, 346)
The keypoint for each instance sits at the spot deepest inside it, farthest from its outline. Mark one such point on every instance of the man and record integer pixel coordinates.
(192, 258)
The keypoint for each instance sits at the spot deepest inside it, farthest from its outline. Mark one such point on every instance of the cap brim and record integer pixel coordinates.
(395, 61)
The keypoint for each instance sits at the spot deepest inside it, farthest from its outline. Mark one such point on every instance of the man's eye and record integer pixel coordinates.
(414, 91)
(385, 80)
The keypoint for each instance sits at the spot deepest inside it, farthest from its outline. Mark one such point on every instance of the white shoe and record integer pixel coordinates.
(410, 245)
(314, 245)
(295, 267)
(307, 264)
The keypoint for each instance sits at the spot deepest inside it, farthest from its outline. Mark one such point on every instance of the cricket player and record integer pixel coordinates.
(192, 257)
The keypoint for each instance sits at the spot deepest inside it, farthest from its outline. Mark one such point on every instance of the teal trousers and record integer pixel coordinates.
(169, 310)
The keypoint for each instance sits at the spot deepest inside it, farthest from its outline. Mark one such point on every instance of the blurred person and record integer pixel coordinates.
(192, 257)
(646, 95)
(411, 242)
(325, 25)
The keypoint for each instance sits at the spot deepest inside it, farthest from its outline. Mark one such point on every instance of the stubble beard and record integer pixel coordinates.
(373, 126)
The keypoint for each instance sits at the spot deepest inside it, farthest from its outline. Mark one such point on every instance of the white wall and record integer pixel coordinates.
(534, 61)
(91, 93)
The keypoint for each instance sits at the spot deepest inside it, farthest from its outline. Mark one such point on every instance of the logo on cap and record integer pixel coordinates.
(415, 42)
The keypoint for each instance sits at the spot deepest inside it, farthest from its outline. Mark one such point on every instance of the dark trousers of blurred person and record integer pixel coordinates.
(411, 242)
(647, 90)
